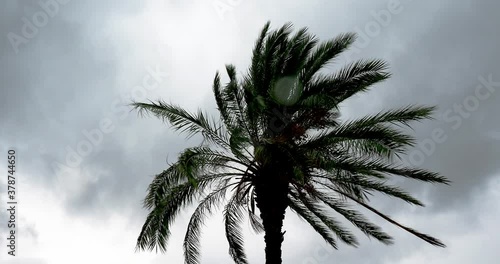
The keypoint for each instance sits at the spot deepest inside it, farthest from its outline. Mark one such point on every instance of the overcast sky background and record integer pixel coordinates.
(75, 74)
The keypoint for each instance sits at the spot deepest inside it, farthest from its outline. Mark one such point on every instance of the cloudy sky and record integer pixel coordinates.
(68, 69)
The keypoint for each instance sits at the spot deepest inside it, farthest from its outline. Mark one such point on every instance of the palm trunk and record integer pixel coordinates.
(272, 202)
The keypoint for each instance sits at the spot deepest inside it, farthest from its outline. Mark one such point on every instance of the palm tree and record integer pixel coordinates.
(279, 143)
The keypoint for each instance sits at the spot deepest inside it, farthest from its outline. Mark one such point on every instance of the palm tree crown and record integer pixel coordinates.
(278, 144)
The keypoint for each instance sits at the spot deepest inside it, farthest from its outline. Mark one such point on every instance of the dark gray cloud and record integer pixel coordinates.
(443, 66)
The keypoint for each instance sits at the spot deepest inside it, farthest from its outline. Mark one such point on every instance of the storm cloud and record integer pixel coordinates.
(69, 69)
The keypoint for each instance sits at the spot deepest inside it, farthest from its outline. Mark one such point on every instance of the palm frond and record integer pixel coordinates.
(156, 230)
(325, 53)
(299, 48)
(375, 166)
(355, 218)
(191, 244)
(184, 121)
(233, 214)
(373, 185)
(255, 222)
(429, 239)
(222, 104)
(274, 44)
(384, 141)
(351, 79)
(336, 227)
(298, 207)
(398, 116)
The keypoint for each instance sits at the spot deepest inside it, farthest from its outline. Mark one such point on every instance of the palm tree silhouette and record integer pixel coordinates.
(278, 144)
